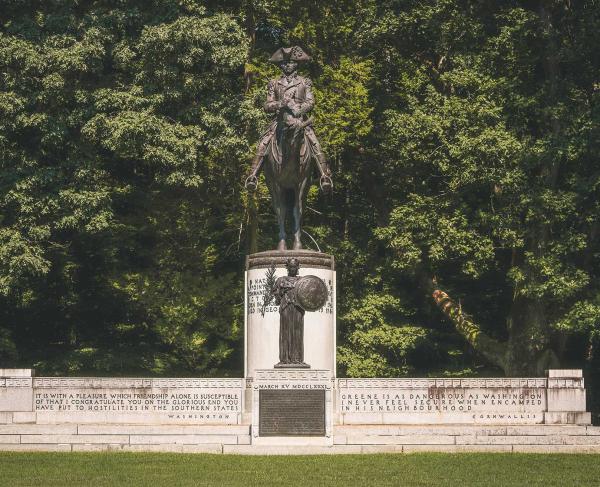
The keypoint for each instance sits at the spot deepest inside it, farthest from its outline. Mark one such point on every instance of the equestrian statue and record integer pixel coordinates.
(289, 150)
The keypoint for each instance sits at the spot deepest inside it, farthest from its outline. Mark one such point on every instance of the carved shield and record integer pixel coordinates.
(311, 293)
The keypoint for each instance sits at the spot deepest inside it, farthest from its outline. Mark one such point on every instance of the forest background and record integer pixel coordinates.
(463, 136)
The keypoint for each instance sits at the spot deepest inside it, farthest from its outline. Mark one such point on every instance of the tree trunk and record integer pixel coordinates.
(518, 356)
(528, 346)
(492, 350)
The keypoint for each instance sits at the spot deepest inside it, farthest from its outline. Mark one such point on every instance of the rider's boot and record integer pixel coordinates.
(251, 182)
(325, 182)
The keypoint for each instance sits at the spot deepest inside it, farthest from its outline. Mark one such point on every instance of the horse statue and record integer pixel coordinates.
(289, 147)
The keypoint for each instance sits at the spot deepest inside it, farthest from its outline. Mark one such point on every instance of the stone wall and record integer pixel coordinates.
(354, 415)
(142, 401)
(558, 399)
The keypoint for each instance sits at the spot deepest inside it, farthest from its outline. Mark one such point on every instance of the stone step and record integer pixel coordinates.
(168, 448)
(529, 440)
(131, 429)
(126, 439)
(35, 447)
(466, 440)
(291, 449)
(217, 448)
(536, 430)
(546, 429)
(449, 449)
(371, 449)
(118, 439)
(182, 439)
(394, 439)
(38, 429)
(556, 449)
(10, 439)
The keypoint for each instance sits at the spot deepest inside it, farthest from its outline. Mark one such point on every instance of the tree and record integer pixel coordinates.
(493, 172)
(119, 122)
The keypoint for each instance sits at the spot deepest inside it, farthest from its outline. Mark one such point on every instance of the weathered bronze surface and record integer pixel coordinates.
(291, 412)
(291, 312)
(291, 318)
(311, 292)
(289, 149)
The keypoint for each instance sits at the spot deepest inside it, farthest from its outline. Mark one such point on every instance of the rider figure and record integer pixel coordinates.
(292, 92)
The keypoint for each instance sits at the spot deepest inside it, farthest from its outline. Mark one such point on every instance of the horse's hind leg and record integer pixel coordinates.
(299, 198)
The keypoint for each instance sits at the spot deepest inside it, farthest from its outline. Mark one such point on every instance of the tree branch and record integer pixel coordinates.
(493, 350)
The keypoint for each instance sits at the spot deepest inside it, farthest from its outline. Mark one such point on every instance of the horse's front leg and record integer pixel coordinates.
(299, 198)
(297, 226)
(280, 210)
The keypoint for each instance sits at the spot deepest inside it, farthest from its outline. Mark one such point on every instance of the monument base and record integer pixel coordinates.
(302, 411)
(292, 403)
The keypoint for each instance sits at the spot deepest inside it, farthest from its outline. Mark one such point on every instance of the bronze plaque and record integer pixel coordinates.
(291, 412)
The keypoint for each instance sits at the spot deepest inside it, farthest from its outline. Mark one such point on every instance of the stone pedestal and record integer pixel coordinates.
(288, 403)
(262, 331)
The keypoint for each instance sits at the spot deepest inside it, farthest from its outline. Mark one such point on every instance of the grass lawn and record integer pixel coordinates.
(137, 469)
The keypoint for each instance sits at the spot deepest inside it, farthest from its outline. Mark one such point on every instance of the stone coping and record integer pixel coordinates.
(445, 383)
(292, 375)
(133, 383)
(16, 372)
(289, 374)
(307, 258)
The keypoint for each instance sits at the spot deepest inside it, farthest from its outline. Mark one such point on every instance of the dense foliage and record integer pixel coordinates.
(463, 137)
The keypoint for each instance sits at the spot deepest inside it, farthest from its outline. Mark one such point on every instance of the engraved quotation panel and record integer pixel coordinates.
(120, 400)
(448, 403)
(257, 289)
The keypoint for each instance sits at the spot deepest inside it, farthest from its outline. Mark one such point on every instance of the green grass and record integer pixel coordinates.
(139, 469)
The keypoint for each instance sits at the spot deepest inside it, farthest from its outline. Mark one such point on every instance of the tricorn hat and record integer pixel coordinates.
(284, 54)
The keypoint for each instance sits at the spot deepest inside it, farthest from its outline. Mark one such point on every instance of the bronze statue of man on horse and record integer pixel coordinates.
(289, 147)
